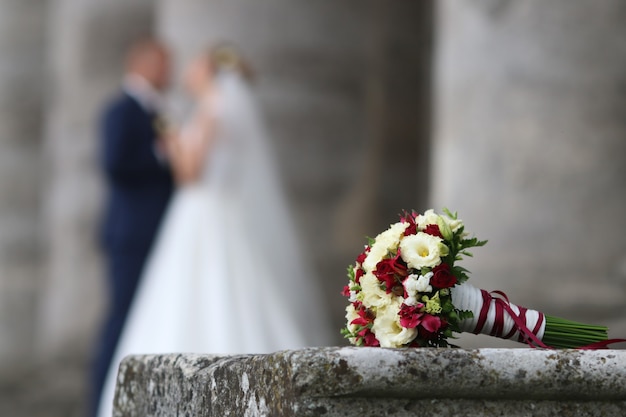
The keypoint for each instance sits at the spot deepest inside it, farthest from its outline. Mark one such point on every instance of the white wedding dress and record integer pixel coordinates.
(226, 275)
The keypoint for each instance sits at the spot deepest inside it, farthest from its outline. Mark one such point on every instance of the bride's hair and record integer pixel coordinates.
(225, 56)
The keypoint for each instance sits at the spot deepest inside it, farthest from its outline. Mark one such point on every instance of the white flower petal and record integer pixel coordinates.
(411, 301)
(384, 242)
(423, 284)
(373, 295)
(422, 250)
(387, 327)
(429, 217)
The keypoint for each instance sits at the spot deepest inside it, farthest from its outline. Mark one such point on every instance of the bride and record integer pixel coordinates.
(226, 275)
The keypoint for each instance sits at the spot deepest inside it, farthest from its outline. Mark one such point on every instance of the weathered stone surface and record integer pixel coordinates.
(376, 382)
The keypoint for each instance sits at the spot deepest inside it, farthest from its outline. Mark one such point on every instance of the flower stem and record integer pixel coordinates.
(566, 334)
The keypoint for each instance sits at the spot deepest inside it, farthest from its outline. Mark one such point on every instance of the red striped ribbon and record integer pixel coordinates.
(502, 305)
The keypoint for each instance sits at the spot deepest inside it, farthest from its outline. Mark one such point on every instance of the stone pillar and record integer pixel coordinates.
(22, 48)
(530, 148)
(88, 39)
(375, 382)
(344, 89)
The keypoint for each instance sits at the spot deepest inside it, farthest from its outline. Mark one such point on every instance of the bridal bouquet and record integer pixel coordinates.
(407, 290)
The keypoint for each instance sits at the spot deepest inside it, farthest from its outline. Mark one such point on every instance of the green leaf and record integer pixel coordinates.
(453, 216)
(464, 314)
(351, 273)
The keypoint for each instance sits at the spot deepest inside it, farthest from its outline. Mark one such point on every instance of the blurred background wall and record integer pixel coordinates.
(22, 104)
(530, 148)
(511, 112)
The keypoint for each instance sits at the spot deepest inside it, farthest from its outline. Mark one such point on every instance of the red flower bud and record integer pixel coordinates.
(361, 258)
(410, 219)
(346, 291)
(357, 275)
(442, 277)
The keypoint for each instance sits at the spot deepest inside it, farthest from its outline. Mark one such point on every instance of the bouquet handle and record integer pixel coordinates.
(496, 316)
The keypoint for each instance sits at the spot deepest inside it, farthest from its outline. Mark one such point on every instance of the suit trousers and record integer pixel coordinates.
(124, 272)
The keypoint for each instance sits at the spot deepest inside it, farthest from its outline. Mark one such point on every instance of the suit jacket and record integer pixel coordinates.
(140, 185)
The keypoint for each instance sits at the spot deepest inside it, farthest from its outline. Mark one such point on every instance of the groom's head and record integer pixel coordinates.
(149, 58)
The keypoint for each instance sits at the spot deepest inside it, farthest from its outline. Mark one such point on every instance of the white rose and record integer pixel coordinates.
(429, 217)
(422, 250)
(384, 242)
(388, 330)
(371, 293)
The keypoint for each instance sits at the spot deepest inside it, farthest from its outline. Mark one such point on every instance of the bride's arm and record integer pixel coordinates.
(187, 149)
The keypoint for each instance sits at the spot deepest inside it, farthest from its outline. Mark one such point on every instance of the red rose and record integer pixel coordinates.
(385, 273)
(442, 277)
(391, 271)
(433, 229)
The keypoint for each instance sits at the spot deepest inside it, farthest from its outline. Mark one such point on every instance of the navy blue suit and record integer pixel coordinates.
(139, 188)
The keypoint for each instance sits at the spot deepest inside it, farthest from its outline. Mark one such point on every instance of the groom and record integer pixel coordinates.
(139, 187)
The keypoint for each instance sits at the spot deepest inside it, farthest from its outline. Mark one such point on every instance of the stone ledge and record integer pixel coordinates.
(375, 382)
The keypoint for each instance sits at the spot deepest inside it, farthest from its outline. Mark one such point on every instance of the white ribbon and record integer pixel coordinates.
(468, 297)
